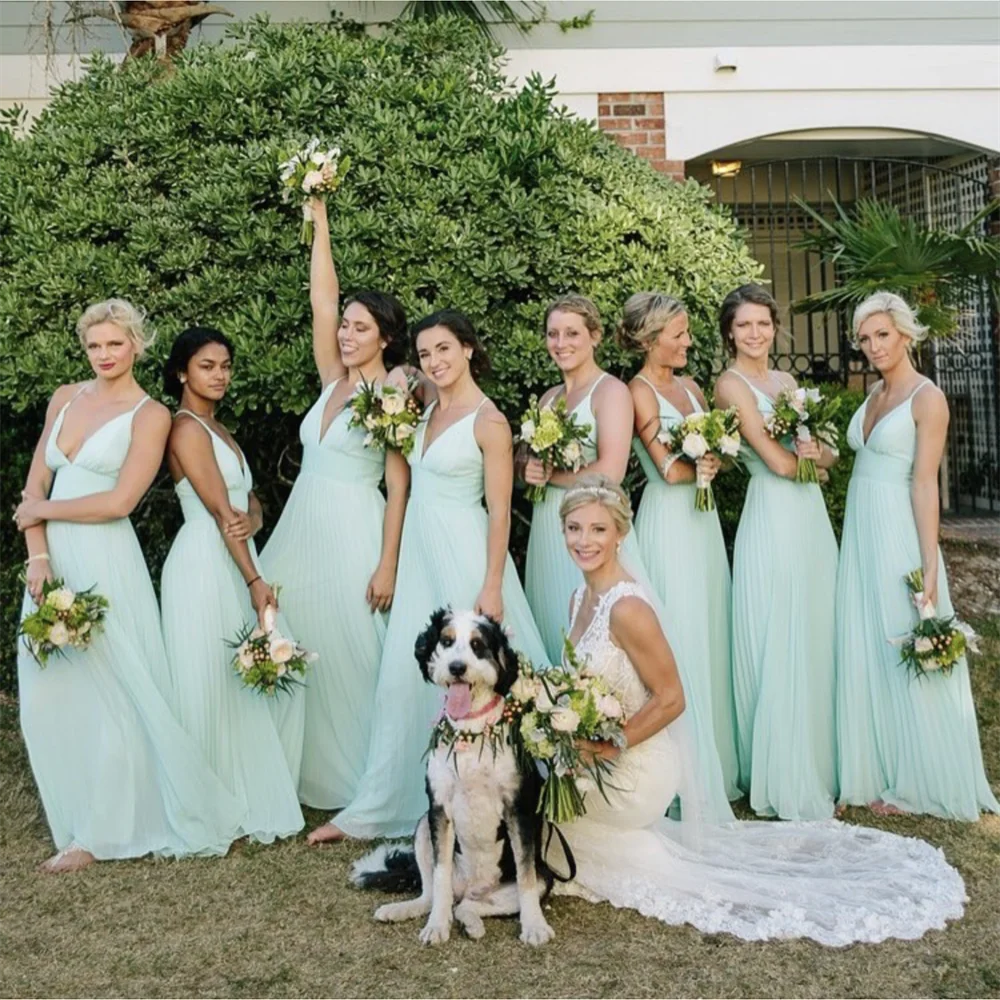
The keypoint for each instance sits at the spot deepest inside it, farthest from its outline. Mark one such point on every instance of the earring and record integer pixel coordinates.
(183, 379)
(618, 547)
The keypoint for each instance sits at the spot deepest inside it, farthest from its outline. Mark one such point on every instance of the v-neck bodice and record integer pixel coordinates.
(235, 474)
(98, 460)
(888, 454)
(754, 464)
(340, 454)
(584, 413)
(451, 471)
(670, 416)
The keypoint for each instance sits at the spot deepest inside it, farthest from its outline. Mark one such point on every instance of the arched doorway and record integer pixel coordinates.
(943, 193)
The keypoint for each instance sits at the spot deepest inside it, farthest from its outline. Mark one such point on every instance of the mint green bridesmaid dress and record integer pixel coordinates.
(551, 578)
(784, 582)
(205, 602)
(323, 552)
(442, 561)
(116, 773)
(685, 557)
(911, 742)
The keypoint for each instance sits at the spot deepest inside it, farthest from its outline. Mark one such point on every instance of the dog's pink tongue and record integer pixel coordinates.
(459, 701)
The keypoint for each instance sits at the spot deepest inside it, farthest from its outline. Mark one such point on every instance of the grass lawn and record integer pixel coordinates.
(282, 921)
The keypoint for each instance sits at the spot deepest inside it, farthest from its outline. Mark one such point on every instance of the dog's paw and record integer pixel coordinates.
(536, 932)
(473, 924)
(435, 932)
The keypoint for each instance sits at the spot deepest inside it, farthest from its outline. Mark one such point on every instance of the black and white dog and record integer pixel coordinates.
(479, 846)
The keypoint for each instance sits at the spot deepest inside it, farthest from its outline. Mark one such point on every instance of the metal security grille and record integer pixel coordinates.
(762, 199)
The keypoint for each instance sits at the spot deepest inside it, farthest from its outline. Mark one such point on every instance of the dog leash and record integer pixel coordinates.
(567, 852)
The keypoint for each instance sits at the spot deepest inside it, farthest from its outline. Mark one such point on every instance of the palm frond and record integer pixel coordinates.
(484, 14)
(876, 248)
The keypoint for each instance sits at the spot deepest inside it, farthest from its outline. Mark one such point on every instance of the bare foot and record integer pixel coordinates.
(325, 834)
(881, 808)
(840, 809)
(72, 859)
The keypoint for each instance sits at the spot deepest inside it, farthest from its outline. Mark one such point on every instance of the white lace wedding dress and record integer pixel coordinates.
(828, 881)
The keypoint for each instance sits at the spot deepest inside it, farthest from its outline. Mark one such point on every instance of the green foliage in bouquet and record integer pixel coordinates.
(161, 186)
(64, 619)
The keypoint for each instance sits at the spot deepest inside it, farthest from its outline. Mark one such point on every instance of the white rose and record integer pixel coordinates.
(694, 446)
(61, 599)
(813, 395)
(281, 650)
(609, 706)
(59, 634)
(564, 720)
(403, 431)
(572, 453)
(312, 180)
(245, 656)
(543, 703)
(318, 158)
(393, 403)
(524, 689)
(922, 644)
(527, 430)
(729, 444)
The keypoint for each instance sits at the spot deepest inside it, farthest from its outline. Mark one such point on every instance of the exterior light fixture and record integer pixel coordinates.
(726, 168)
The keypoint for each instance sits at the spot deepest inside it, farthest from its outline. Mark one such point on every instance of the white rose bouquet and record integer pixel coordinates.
(268, 661)
(310, 172)
(64, 619)
(934, 643)
(388, 414)
(804, 414)
(714, 432)
(557, 708)
(553, 435)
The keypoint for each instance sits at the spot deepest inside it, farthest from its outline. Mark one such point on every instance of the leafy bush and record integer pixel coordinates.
(160, 186)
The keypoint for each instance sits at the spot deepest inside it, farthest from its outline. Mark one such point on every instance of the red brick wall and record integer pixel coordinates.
(638, 122)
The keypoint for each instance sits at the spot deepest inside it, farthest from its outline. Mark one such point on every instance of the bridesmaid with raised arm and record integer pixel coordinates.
(212, 587)
(784, 577)
(117, 775)
(907, 744)
(335, 547)
(572, 332)
(682, 548)
(453, 552)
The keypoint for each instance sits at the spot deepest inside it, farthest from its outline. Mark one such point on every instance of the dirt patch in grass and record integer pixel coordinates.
(282, 921)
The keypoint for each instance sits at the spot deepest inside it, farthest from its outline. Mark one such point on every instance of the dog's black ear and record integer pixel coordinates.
(423, 648)
(503, 653)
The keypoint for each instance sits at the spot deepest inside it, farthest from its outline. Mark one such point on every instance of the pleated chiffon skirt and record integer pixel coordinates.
(117, 774)
(205, 602)
(784, 584)
(912, 742)
(684, 554)
(323, 553)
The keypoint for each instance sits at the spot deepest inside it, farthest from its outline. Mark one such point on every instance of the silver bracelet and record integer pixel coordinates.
(666, 464)
(41, 555)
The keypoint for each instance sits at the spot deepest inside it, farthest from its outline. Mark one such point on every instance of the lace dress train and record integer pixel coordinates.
(828, 881)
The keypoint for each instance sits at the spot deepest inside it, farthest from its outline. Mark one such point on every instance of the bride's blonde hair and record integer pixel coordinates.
(598, 488)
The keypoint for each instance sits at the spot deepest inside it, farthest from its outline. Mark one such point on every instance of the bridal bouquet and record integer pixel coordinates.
(387, 413)
(934, 643)
(311, 172)
(553, 435)
(267, 661)
(64, 618)
(557, 708)
(804, 414)
(716, 432)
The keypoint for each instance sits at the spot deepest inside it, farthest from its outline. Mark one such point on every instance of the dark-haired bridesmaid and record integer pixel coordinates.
(212, 587)
(453, 551)
(335, 547)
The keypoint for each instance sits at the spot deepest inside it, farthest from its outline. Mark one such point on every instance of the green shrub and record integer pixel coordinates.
(162, 187)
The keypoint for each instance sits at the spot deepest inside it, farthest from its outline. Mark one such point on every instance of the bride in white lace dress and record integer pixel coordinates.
(828, 881)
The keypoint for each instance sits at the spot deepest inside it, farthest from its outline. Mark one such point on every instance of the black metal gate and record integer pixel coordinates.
(817, 346)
